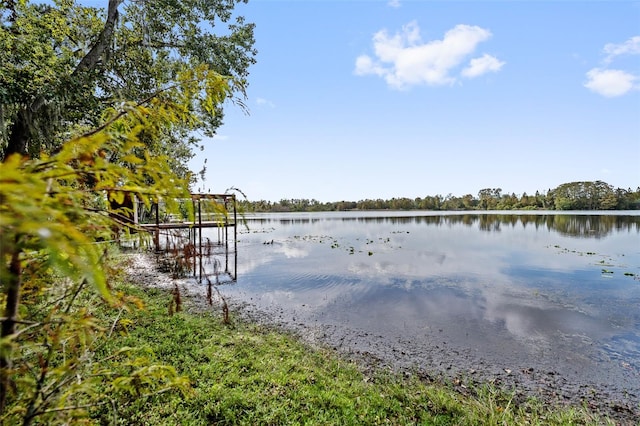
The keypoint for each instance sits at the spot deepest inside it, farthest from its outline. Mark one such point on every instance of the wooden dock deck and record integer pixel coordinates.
(223, 220)
(185, 225)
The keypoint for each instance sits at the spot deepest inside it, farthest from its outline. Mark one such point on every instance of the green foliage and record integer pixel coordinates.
(52, 216)
(96, 107)
(58, 371)
(569, 196)
(63, 64)
(596, 195)
(489, 198)
(59, 215)
(40, 46)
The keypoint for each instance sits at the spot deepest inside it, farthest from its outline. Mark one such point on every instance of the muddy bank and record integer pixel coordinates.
(561, 384)
(448, 358)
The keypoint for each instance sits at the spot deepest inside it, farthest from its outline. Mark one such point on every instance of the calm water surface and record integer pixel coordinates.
(558, 291)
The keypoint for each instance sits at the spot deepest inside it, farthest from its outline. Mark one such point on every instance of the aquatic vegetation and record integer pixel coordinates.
(606, 261)
(348, 246)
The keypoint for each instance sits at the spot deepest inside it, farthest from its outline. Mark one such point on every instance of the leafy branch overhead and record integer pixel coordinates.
(55, 228)
(64, 64)
(60, 214)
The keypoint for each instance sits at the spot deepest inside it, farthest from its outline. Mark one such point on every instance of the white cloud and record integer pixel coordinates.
(365, 65)
(614, 82)
(629, 47)
(394, 3)
(609, 83)
(482, 65)
(404, 60)
(263, 101)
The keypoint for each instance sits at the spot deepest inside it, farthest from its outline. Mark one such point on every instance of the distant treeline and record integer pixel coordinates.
(596, 195)
(573, 225)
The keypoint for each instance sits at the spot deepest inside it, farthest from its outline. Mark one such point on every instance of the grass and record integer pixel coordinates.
(245, 373)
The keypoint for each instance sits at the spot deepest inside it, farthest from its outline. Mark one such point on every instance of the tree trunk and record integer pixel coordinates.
(20, 129)
(9, 323)
(91, 59)
(19, 134)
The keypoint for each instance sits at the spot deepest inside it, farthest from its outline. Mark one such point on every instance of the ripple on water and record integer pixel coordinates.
(625, 349)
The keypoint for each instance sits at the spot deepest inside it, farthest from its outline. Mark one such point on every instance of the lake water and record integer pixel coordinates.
(542, 296)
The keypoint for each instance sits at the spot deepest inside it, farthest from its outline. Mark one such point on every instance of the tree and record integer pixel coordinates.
(539, 200)
(90, 101)
(452, 203)
(488, 198)
(584, 195)
(64, 64)
(469, 202)
(50, 255)
(609, 201)
(507, 202)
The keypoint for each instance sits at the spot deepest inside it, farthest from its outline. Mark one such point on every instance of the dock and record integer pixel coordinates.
(180, 241)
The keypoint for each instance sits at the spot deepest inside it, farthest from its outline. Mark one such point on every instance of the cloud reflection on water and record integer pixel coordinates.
(521, 288)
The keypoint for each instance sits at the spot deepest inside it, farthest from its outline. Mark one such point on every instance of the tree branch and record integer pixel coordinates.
(91, 59)
(19, 133)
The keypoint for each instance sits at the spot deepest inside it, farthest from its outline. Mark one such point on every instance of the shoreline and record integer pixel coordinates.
(460, 371)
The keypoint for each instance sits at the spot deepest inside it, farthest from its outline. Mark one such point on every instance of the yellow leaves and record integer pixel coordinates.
(132, 159)
(117, 197)
(82, 150)
(204, 87)
(11, 163)
(122, 326)
(146, 379)
(54, 214)
(50, 202)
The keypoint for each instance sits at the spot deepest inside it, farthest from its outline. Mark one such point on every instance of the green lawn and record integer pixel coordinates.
(244, 373)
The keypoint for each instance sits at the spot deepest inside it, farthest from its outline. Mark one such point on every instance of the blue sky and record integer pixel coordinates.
(379, 99)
